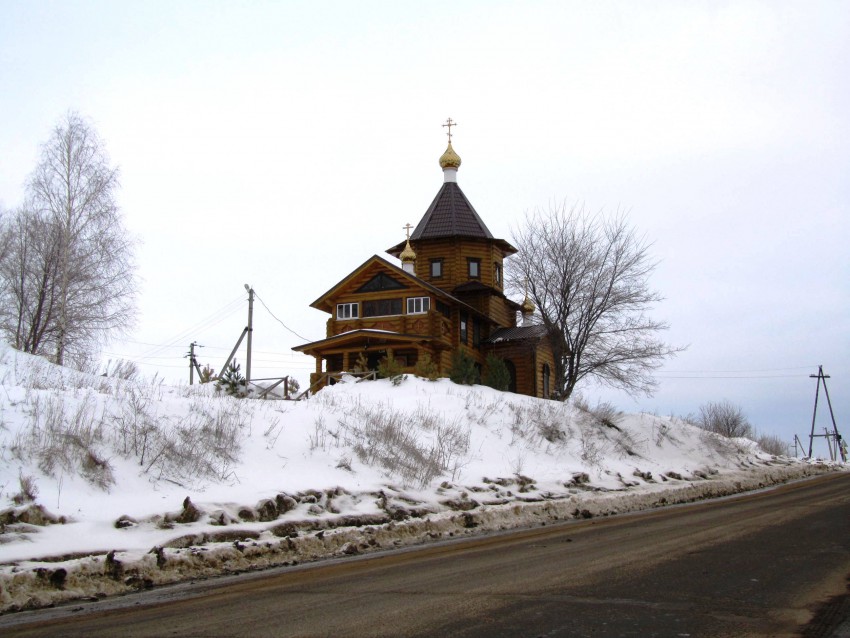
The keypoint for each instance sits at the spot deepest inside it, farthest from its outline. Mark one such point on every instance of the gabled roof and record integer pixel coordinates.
(323, 303)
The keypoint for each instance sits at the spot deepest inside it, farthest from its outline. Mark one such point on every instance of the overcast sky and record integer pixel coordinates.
(281, 144)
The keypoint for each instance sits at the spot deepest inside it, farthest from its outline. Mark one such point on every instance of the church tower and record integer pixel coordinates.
(456, 252)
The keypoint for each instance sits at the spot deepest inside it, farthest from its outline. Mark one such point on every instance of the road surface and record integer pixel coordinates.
(773, 563)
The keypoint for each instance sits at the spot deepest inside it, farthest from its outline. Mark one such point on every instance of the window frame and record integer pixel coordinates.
(424, 304)
(439, 264)
(464, 328)
(377, 302)
(470, 262)
(351, 305)
(497, 273)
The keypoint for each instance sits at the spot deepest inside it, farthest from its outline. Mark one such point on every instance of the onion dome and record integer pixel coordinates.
(528, 307)
(449, 159)
(407, 254)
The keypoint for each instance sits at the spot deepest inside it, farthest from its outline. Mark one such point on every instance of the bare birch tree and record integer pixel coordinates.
(29, 271)
(69, 273)
(588, 276)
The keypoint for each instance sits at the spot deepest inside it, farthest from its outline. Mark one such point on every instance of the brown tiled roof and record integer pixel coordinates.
(520, 333)
(450, 215)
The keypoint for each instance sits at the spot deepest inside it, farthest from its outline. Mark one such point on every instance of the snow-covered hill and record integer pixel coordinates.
(108, 484)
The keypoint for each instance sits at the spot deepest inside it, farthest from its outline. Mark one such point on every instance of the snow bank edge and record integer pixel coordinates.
(95, 577)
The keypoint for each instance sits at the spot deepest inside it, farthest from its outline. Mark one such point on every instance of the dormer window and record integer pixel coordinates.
(474, 267)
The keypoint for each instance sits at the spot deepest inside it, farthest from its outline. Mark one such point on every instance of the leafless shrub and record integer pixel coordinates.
(404, 446)
(536, 420)
(273, 432)
(136, 422)
(64, 438)
(122, 369)
(28, 490)
(662, 431)
(604, 413)
(772, 444)
(724, 418)
(592, 449)
(320, 437)
(204, 444)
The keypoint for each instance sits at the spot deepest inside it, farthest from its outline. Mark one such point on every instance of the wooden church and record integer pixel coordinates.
(446, 295)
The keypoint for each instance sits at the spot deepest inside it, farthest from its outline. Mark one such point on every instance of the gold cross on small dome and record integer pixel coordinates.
(450, 123)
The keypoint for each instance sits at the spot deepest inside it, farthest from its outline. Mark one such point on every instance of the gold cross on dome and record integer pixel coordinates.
(407, 228)
(450, 123)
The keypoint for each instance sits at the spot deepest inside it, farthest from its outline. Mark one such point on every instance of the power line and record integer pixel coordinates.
(772, 376)
(278, 320)
(216, 317)
(741, 371)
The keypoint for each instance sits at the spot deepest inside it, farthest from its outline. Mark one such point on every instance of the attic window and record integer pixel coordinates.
(381, 282)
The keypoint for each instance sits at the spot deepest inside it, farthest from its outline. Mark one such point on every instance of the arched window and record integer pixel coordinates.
(546, 380)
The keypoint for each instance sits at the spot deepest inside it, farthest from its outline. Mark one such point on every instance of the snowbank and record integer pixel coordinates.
(107, 485)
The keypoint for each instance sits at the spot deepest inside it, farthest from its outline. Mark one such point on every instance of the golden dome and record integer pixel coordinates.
(528, 307)
(407, 254)
(449, 159)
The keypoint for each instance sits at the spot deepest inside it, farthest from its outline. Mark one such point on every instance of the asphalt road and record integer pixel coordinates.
(774, 563)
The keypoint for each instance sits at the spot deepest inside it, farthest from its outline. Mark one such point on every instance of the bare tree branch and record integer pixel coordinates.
(588, 277)
(68, 274)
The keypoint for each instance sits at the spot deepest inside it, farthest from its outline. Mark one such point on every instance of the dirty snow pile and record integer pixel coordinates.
(108, 485)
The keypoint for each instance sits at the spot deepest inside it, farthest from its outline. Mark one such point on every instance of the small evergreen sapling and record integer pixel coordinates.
(233, 383)
(463, 369)
(362, 364)
(390, 368)
(498, 377)
(426, 368)
(207, 374)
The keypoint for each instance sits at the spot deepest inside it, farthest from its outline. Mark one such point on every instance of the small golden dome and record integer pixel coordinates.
(528, 307)
(407, 254)
(449, 159)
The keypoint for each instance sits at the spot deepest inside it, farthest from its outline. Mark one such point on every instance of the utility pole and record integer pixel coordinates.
(193, 364)
(831, 437)
(250, 330)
